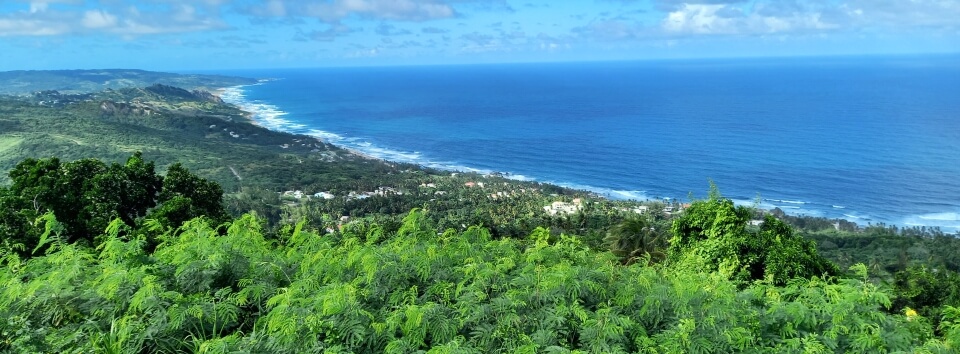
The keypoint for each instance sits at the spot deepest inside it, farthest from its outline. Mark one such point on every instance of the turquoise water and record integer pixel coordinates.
(865, 139)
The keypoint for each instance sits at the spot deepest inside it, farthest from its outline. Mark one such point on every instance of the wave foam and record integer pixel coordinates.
(630, 195)
(263, 114)
(946, 221)
(787, 201)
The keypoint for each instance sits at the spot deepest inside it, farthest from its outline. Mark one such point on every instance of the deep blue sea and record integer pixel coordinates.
(868, 139)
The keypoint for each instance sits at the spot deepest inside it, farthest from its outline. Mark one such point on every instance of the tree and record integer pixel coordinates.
(712, 235)
(87, 195)
(633, 239)
(186, 196)
(925, 290)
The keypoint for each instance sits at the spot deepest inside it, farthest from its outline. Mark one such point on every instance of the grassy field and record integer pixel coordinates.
(8, 144)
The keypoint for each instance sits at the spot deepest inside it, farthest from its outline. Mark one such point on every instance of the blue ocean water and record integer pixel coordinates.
(869, 139)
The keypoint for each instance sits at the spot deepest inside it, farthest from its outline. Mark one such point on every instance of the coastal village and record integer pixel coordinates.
(554, 205)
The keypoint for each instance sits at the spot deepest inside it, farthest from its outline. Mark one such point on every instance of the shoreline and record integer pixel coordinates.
(238, 100)
(250, 117)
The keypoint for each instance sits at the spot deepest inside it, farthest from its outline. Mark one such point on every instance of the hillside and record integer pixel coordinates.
(166, 123)
(85, 81)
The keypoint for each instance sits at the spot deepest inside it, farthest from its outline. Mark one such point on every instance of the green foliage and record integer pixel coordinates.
(414, 290)
(712, 235)
(635, 239)
(886, 251)
(215, 140)
(925, 291)
(189, 196)
(86, 195)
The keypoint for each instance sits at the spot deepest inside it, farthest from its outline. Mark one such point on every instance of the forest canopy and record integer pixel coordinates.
(86, 195)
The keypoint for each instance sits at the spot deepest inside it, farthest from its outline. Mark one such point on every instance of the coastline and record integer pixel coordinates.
(270, 117)
(234, 96)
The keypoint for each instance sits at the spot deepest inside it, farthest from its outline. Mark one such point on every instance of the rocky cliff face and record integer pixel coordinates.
(168, 91)
(207, 96)
(174, 92)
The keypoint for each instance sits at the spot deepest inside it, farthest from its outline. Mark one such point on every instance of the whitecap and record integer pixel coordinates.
(630, 195)
(787, 201)
(948, 221)
(941, 216)
(263, 114)
(516, 177)
(764, 204)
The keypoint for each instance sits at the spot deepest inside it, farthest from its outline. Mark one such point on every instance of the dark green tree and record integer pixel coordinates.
(16, 230)
(185, 196)
(87, 195)
(925, 290)
(634, 239)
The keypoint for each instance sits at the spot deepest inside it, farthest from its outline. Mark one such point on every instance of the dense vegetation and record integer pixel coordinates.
(364, 290)
(721, 286)
(172, 125)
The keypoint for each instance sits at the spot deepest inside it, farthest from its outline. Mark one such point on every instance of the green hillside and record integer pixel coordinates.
(85, 81)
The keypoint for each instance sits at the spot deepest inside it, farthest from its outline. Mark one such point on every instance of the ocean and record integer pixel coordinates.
(867, 139)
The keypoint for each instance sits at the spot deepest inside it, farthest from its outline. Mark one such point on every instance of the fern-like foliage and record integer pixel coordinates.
(226, 289)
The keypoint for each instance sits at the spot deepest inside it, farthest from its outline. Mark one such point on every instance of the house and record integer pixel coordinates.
(294, 194)
(562, 208)
(324, 195)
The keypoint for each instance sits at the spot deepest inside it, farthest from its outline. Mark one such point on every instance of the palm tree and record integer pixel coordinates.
(633, 239)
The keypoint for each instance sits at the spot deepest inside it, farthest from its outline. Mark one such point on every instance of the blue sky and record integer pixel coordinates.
(236, 34)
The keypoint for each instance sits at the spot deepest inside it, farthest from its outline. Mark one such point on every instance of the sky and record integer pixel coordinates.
(249, 34)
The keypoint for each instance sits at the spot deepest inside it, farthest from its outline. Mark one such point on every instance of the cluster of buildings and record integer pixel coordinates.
(380, 191)
(564, 208)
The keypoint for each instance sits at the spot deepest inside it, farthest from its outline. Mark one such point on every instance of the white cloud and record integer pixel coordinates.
(98, 19)
(29, 27)
(332, 11)
(38, 7)
(913, 13)
(114, 18)
(792, 16)
(725, 19)
(697, 19)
